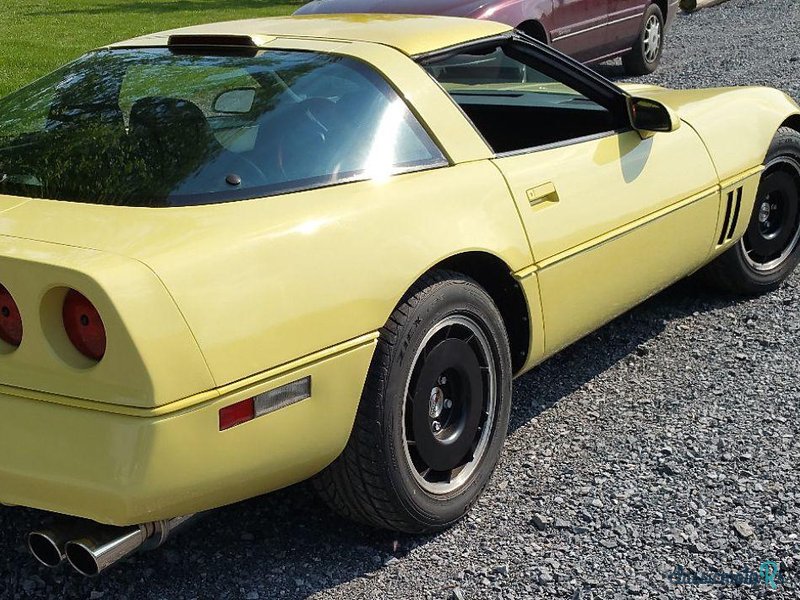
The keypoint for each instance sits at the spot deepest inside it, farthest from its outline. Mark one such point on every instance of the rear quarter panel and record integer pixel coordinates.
(151, 357)
(267, 281)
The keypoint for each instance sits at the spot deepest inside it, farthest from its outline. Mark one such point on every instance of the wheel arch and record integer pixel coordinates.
(535, 29)
(664, 6)
(495, 276)
(793, 122)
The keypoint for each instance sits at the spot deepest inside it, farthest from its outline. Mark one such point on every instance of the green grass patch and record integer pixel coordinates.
(36, 36)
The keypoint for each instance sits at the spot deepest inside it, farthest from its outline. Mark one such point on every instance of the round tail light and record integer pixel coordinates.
(10, 319)
(84, 326)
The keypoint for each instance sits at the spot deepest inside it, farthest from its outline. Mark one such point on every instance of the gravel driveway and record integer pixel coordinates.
(667, 440)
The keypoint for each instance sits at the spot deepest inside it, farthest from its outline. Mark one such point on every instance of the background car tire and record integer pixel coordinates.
(646, 53)
(733, 272)
(376, 480)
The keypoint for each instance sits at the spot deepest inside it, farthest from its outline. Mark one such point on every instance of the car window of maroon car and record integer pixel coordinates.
(156, 128)
(514, 105)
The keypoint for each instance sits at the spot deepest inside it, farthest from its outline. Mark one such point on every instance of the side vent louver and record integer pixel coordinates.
(732, 211)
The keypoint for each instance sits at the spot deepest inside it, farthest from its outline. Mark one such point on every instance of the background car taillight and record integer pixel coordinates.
(84, 326)
(10, 319)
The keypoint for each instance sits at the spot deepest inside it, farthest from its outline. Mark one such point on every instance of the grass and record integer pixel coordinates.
(36, 36)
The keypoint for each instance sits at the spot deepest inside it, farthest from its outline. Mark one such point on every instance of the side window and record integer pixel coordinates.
(514, 105)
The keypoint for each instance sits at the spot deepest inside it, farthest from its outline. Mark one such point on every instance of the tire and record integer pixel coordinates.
(446, 335)
(770, 250)
(645, 55)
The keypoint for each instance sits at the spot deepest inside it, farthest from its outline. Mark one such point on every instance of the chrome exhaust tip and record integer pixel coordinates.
(45, 549)
(91, 548)
(47, 545)
(105, 546)
(102, 546)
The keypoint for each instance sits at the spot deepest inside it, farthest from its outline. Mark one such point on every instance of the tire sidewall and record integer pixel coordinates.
(645, 65)
(443, 300)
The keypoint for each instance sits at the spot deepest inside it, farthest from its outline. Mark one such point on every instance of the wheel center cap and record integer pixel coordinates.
(764, 212)
(436, 405)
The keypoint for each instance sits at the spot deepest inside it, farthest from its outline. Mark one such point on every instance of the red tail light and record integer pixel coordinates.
(236, 414)
(84, 326)
(10, 319)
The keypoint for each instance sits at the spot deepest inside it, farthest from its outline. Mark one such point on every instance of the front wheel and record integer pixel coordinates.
(646, 53)
(770, 250)
(433, 415)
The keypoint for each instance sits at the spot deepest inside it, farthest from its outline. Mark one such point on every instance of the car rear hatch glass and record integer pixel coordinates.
(168, 127)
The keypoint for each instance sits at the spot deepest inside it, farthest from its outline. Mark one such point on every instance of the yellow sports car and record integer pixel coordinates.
(237, 256)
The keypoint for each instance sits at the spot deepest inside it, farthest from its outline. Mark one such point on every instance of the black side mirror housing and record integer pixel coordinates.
(649, 117)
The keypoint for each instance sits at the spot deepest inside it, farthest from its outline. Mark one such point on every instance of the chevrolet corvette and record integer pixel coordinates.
(237, 256)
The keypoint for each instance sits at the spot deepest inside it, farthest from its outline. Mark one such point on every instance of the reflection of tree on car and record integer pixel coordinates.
(153, 137)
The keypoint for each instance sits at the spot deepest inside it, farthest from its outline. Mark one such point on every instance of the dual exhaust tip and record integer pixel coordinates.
(91, 548)
(51, 552)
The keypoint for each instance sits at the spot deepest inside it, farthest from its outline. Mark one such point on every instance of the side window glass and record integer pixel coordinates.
(514, 105)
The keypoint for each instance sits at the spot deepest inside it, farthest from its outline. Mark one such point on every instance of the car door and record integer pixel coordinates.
(624, 23)
(612, 216)
(579, 27)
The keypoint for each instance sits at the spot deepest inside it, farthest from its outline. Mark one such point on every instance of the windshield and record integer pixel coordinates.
(149, 127)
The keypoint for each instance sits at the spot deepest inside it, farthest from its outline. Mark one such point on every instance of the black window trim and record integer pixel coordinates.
(566, 69)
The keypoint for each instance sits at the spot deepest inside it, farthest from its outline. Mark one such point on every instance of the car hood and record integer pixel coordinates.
(736, 124)
(453, 8)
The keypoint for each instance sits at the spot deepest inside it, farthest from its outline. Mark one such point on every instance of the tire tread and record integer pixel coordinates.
(355, 485)
(725, 273)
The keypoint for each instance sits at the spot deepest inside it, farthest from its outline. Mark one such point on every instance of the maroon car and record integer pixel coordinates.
(589, 30)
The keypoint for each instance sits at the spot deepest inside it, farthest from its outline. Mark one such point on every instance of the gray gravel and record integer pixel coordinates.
(669, 438)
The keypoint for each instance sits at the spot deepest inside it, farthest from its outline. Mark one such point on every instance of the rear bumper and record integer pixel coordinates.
(122, 469)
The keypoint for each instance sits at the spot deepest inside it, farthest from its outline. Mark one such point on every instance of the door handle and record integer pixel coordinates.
(542, 193)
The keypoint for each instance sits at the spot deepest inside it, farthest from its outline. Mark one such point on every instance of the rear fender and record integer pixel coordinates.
(151, 358)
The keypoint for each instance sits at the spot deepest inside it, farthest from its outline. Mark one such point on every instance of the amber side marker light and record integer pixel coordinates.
(10, 319)
(263, 404)
(84, 326)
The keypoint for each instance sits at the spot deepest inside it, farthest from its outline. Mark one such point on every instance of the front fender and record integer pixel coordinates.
(737, 125)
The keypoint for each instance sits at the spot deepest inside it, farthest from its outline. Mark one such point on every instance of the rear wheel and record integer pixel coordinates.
(646, 53)
(770, 249)
(434, 413)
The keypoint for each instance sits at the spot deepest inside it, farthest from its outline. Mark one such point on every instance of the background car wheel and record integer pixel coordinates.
(433, 415)
(770, 249)
(646, 53)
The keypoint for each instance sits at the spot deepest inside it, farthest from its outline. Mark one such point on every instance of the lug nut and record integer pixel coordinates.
(448, 403)
(436, 426)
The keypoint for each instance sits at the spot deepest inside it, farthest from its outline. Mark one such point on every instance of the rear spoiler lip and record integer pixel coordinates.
(223, 43)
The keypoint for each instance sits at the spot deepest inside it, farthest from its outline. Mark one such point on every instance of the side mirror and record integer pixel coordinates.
(650, 117)
(235, 102)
